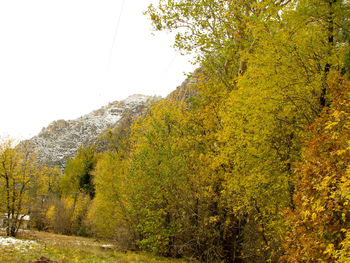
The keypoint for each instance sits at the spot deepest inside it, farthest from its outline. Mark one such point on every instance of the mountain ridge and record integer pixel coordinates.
(61, 139)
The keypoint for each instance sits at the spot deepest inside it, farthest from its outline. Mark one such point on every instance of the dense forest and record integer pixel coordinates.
(250, 165)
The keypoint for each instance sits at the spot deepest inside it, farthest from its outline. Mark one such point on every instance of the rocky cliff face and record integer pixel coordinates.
(61, 139)
(188, 88)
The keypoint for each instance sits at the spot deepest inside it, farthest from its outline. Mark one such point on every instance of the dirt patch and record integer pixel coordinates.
(43, 259)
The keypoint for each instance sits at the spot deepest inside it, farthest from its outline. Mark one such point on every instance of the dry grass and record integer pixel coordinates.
(51, 239)
(65, 249)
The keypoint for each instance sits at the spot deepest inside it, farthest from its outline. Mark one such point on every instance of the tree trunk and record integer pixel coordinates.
(330, 31)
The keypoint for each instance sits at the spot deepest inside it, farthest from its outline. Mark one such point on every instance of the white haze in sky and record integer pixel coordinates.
(60, 59)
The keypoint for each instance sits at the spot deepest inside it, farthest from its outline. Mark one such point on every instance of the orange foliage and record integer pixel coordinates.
(321, 218)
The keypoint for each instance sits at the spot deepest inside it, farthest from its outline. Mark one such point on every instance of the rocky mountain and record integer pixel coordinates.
(62, 138)
(188, 88)
(60, 141)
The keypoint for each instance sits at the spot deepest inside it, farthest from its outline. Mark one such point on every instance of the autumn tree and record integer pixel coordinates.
(78, 172)
(109, 215)
(67, 212)
(320, 221)
(216, 33)
(176, 195)
(156, 180)
(47, 189)
(19, 175)
(281, 92)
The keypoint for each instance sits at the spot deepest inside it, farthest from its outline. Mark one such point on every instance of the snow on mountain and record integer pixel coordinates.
(62, 138)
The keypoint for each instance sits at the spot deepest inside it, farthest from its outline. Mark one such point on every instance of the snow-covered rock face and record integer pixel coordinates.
(61, 139)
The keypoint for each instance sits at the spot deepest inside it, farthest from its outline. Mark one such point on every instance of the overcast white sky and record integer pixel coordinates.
(58, 61)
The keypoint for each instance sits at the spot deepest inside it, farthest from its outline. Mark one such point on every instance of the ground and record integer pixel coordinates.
(34, 246)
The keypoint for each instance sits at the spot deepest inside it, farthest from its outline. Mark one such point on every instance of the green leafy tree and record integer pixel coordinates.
(156, 178)
(78, 175)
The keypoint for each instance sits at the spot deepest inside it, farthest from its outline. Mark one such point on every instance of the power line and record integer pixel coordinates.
(116, 30)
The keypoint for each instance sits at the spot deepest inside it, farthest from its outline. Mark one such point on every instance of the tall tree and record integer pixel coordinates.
(216, 32)
(19, 173)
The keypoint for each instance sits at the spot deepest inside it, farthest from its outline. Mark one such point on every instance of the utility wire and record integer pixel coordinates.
(116, 30)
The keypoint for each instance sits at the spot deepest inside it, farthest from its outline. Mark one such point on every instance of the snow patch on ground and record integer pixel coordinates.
(107, 246)
(17, 243)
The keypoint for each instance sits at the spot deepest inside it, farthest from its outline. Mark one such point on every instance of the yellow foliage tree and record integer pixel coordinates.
(19, 174)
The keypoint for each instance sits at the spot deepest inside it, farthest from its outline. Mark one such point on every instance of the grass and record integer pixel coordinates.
(66, 249)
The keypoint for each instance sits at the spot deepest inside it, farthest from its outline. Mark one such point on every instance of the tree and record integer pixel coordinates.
(19, 173)
(110, 214)
(217, 33)
(47, 190)
(67, 213)
(156, 178)
(320, 222)
(78, 175)
(281, 92)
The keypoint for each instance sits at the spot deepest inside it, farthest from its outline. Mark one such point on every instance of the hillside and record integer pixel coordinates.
(61, 139)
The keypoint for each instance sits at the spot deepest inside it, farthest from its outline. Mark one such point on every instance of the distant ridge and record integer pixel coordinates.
(62, 138)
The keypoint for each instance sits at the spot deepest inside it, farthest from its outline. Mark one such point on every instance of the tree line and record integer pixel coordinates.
(253, 166)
